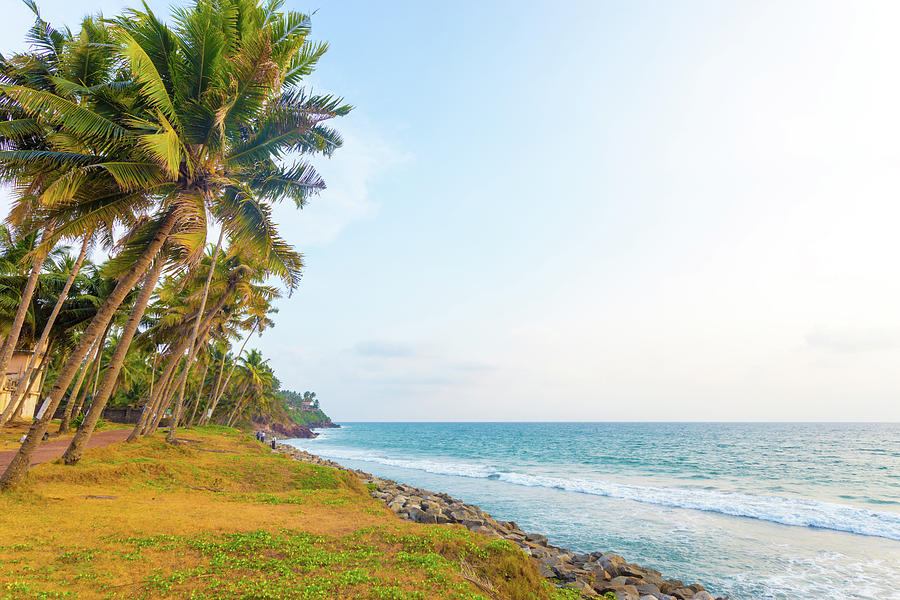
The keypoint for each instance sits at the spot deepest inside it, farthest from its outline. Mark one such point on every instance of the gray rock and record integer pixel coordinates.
(414, 513)
(646, 589)
(582, 587)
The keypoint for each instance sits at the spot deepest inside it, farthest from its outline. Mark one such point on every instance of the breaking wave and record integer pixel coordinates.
(799, 512)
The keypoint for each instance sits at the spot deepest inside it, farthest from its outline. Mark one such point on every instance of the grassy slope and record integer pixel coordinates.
(225, 518)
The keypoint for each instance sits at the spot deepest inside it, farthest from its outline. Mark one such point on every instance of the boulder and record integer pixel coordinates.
(600, 574)
(414, 513)
(582, 587)
(647, 589)
(619, 590)
(669, 585)
(434, 515)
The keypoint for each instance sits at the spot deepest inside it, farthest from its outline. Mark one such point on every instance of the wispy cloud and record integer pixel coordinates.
(350, 175)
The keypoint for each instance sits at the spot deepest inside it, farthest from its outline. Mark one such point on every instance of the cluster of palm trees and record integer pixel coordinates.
(139, 136)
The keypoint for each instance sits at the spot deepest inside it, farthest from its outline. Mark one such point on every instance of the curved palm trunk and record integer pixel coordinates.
(239, 406)
(139, 426)
(165, 380)
(161, 396)
(17, 469)
(12, 339)
(204, 416)
(212, 268)
(177, 354)
(212, 409)
(164, 395)
(181, 382)
(190, 421)
(73, 397)
(94, 373)
(45, 335)
(86, 429)
(165, 401)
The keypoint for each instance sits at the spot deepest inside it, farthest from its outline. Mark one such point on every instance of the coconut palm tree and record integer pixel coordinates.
(257, 309)
(198, 120)
(255, 377)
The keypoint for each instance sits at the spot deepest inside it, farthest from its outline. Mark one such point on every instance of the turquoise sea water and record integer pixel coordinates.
(752, 511)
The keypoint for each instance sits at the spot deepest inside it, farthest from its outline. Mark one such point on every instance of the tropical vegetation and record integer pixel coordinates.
(142, 139)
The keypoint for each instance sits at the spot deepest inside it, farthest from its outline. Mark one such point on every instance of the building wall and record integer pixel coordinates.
(14, 371)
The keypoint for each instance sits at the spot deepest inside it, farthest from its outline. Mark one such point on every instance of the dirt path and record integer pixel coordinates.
(54, 448)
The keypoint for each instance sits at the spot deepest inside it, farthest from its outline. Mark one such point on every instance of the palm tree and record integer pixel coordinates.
(254, 378)
(57, 58)
(199, 119)
(258, 308)
(42, 347)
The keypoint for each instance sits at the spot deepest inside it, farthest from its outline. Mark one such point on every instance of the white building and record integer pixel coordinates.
(14, 371)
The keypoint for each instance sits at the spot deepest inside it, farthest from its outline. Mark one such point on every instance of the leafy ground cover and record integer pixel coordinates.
(219, 516)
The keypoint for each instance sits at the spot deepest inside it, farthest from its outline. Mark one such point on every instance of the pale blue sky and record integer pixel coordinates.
(599, 211)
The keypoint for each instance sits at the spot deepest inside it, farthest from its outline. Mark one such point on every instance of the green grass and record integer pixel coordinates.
(227, 519)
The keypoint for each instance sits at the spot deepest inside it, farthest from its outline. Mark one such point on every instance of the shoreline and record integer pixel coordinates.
(593, 574)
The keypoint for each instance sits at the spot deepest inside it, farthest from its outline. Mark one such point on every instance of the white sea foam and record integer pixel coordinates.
(800, 512)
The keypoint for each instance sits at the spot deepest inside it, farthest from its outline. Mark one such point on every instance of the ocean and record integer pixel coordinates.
(753, 511)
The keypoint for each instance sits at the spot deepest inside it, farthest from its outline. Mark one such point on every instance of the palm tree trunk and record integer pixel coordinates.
(18, 467)
(165, 378)
(230, 373)
(176, 412)
(212, 267)
(162, 394)
(182, 378)
(73, 397)
(190, 422)
(95, 372)
(86, 429)
(135, 433)
(143, 426)
(233, 413)
(37, 261)
(85, 389)
(205, 415)
(239, 404)
(45, 335)
(165, 392)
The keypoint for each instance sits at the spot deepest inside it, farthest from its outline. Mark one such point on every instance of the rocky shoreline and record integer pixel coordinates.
(280, 429)
(594, 574)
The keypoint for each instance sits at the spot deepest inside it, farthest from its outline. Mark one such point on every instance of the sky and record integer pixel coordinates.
(601, 211)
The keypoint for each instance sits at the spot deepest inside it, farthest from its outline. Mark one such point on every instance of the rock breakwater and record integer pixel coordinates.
(594, 574)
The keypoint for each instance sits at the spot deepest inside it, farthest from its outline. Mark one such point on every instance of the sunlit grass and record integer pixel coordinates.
(219, 516)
